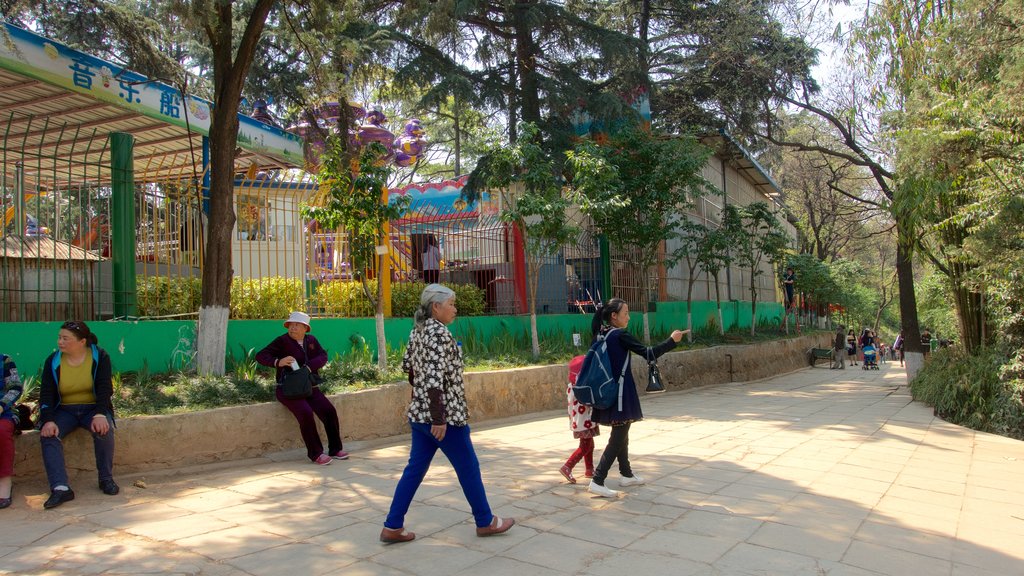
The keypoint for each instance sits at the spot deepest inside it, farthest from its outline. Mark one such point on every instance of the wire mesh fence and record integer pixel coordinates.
(49, 266)
(58, 238)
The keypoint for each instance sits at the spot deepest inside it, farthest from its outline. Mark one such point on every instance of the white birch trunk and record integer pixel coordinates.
(212, 340)
(534, 336)
(913, 361)
(382, 345)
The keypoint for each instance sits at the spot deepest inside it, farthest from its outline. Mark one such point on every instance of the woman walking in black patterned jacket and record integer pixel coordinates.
(438, 417)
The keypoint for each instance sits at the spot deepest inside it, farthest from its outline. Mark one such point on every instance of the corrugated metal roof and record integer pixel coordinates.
(59, 133)
(42, 247)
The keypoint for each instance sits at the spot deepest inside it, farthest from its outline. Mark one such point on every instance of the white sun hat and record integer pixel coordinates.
(301, 318)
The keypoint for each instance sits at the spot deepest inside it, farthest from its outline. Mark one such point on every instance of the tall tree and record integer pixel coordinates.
(357, 203)
(654, 180)
(527, 177)
(757, 238)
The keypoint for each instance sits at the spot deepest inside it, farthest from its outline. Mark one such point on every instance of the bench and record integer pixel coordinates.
(815, 354)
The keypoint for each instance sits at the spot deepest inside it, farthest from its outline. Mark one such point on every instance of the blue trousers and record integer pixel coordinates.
(459, 449)
(68, 418)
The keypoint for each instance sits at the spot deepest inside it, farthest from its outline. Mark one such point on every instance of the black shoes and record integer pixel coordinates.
(6, 502)
(58, 497)
(109, 487)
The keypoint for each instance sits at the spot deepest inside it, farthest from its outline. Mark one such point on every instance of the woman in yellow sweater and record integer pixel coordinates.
(75, 392)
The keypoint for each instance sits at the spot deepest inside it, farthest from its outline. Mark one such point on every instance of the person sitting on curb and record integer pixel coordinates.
(75, 392)
(10, 390)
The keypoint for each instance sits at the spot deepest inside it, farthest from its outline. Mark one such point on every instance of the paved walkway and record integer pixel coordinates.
(815, 472)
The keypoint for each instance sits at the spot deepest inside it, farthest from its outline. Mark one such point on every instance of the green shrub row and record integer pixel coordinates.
(276, 297)
(972, 390)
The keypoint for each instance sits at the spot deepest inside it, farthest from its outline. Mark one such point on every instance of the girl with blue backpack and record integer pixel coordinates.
(610, 322)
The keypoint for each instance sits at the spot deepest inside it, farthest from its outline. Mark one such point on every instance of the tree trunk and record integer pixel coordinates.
(230, 67)
(913, 350)
(526, 62)
(718, 304)
(211, 340)
(753, 304)
(534, 335)
(533, 269)
(689, 309)
(382, 345)
(970, 316)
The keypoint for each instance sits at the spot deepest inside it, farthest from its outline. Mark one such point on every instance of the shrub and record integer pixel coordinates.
(344, 298)
(160, 296)
(967, 390)
(265, 298)
(405, 298)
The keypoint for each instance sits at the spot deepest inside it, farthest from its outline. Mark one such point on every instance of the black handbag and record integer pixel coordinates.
(654, 381)
(297, 384)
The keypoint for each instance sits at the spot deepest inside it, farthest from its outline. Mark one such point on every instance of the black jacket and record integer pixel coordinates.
(102, 385)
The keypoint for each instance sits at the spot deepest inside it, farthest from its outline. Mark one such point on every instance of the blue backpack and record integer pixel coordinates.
(596, 385)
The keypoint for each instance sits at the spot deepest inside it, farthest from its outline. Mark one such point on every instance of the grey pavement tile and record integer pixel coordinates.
(633, 562)
(613, 530)
(430, 557)
(209, 500)
(888, 560)
(716, 524)
(173, 529)
(693, 547)
(27, 532)
(370, 568)
(358, 540)
(126, 516)
(542, 548)
(758, 509)
(294, 558)
(906, 538)
(71, 536)
(825, 541)
(499, 566)
(998, 551)
(751, 559)
(231, 542)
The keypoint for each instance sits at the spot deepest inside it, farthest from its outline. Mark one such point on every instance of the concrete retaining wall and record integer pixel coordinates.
(157, 442)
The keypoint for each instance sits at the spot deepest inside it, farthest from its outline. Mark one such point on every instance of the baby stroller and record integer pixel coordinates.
(870, 357)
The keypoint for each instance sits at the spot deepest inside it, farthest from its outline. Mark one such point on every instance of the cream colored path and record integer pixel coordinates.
(815, 472)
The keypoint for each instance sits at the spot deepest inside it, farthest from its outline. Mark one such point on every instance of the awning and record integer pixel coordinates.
(58, 106)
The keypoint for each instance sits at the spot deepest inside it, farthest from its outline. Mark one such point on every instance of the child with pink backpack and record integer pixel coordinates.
(581, 426)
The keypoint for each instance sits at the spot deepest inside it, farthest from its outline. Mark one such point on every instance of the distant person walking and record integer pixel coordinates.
(789, 283)
(838, 350)
(897, 347)
(431, 261)
(851, 347)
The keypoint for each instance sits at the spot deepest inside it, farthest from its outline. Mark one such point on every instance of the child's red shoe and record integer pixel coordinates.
(567, 472)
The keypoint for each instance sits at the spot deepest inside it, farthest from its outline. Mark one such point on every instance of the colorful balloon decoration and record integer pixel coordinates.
(403, 150)
(410, 144)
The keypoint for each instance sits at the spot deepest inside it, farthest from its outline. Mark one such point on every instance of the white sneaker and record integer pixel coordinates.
(602, 491)
(633, 480)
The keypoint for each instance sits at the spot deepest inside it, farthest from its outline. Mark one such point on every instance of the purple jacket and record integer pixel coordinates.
(313, 356)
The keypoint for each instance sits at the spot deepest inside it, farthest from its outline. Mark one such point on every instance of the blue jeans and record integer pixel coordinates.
(459, 449)
(67, 418)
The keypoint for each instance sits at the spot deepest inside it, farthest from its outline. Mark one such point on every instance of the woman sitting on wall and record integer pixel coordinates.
(10, 391)
(75, 392)
(292, 350)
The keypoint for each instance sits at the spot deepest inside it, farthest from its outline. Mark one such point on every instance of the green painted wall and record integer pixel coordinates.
(164, 345)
